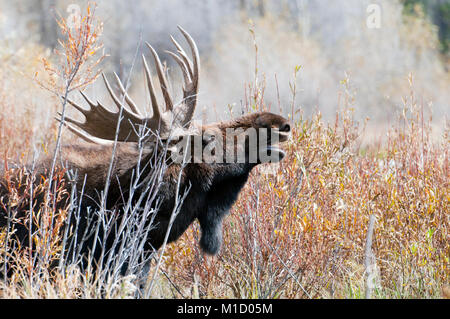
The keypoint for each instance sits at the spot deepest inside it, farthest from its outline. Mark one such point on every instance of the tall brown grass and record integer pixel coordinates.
(298, 230)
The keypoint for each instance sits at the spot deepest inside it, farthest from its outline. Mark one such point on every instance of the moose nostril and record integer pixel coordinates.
(285, 128)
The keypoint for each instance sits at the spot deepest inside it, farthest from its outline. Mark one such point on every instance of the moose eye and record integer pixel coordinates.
(208, 138)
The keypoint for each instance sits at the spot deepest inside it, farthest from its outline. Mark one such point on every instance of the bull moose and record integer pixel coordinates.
(209, 187)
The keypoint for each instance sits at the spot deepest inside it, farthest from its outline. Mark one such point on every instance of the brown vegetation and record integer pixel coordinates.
(298, 230)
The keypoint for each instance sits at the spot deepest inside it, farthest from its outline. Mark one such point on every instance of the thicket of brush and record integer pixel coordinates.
(299, 228)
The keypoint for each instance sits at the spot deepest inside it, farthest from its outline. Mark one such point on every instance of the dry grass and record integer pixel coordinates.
(298, 229)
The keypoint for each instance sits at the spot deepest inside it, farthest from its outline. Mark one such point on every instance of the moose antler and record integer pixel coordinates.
(100, 123)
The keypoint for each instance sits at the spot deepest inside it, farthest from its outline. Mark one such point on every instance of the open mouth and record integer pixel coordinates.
(275, 153)
(283, 136)
(277, 136)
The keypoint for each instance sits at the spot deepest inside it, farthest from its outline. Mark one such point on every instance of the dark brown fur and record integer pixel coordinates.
(213, 187)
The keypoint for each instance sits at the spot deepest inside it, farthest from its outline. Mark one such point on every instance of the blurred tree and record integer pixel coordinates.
(47, 22)
(261, 8)
(441, 17)
(439, 13)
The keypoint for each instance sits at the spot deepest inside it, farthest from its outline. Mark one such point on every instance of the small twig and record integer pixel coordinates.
(176, 209)
(289, 271)
(278, 95)
(369, 258)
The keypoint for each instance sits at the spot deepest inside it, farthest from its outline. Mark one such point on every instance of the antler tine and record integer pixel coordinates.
(162, 79)
(78, 107)
(130, 102)
(111, 92)
(195, 55)
(183, 55)
(87, 137)
(184, 69)
(191, 91)
(100, 109)
(151, 89)
(68, 119)
(88, 100)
